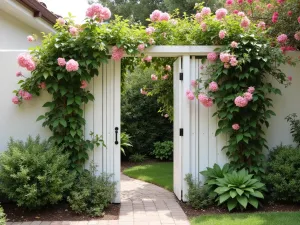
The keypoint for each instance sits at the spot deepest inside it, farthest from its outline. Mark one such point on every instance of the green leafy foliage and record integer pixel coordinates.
(295, 127)
(163, 150)
(2, 217)
(198, 196)
(91, 194)
(238, 189)
(125, 142)
(35, 173)
(137, 158)
(283, 174)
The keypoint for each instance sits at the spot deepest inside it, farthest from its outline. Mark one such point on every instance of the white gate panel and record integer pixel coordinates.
(102, 117)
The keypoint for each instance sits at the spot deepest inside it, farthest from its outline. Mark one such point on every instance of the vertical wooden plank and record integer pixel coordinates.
(117, 123)
(176, 124)
(185, 110)
(197, 127)
(110, 116)
(104, 119)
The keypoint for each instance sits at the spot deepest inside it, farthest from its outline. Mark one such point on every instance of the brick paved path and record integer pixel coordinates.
(141, 204)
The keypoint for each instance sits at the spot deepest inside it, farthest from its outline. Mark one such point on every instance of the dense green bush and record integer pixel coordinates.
(136, 157)
(198, 196)
(238, 189)
(2, 217)
(140, 117)
(283, 174)
(295, 127)
(163, 150)
(91, 194)
(34, 173)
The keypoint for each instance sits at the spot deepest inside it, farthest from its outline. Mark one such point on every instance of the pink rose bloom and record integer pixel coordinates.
(19, 74)
(190, 95)
(141, 47)
(208, 103)
(194, 83)
(61, 61)
(93, 10)
(150, 30)
(213, 86)
(151, 41)
(154, 77)
(174, 22)
(212, 56)
(251, 89)
(245, 22)
(240, 101)
(233, 61)
(30, 38)
(280, 1)
(72, 65)
(221, 13)
(84, 84)
(104, 14)
(198, 17)
(282, 38)
(250, 1)
(15, 100)
(261, 25)
(226, 65)
(222, 34)
(30, 66)
(21, 93)
(205, 100)
(165, 77)
(234, 44)
(240, 1)
(155, 16)
(205, 11)
(143, 92)
(290, 78)
(235, 11)
(290, 13)
(229, 2)
(275, 17)
(42, 85)
(269, 6)
(297, 36)
(298, 19)
(61, 21)
(27, 96)
(164, 16)
(117, 53)
(248, 96)
(225, 57)
(203, 26)
(235, 126)
(148, 58)
(166, 115)
(73, 31)
(25, 60)
(242, 14)
(168, 68)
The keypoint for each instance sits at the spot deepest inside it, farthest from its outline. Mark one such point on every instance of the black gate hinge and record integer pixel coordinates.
(181, 76)
(181, 132)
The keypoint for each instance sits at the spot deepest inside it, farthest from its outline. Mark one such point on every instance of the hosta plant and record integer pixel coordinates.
(238, 189)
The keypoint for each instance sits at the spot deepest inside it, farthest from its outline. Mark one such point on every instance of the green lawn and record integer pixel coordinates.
(285, 218)
(160, 174)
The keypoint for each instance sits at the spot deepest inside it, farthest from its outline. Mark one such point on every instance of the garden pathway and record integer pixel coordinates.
(141, 204)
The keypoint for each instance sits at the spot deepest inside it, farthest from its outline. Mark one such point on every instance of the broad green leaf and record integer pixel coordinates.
(70, 101)
(40, 118)
(221, 190)
(233, 193)
(231, 204)
(224, 197)
(243, 201)
(253, 202)
(257, 194)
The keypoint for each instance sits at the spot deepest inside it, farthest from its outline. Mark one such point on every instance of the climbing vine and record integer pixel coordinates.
(67, 61)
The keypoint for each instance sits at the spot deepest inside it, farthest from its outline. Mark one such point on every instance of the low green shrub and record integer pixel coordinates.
(295, 127)
(125, 142)
(238, 189)
(35, 173)
(283, 174)
(198, 196)
(137, 158)
(2, 217)
(163, 150)
(91, 194)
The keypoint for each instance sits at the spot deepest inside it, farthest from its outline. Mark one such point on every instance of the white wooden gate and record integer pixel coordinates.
(103, 118)
(195, 144)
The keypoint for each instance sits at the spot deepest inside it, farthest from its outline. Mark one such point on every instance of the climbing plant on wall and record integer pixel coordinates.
(67, 61)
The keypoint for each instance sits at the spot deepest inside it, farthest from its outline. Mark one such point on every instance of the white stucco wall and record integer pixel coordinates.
(17, 122)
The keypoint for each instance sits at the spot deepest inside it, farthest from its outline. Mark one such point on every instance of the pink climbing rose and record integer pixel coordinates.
(205, 11)
(61, 61)
(229, 2)
(251, 90)
(221, 13)
(61, 21)
(203, 26)
(290, 78)
(275, 17)
(212, 56)
(143, 92)
(233, 61)
(155, 16)
(261, 25)
(141, 47)
(248, 96)
(15, 100)
(84, 84)
(205, 100)
(168, 68)
(222, 34)
(240, 101)
(100, 12)
(226, 65)
(73, 31)
(27, 96)
(298, 19)
(150, 30)
(234, 44)
(72, 65)
(164, 17)
(42, 85)
(30, 38)
(236, 126)
(242, 14)
(240, 1)
(19, 74)
(25, 60)
(213, 86)
(245, 22)
(165, 77)
(225, 57)
(154, 77)
(151, 41)
(166, 115)
(147, 58)
(297, 36)
(117, 53)
(190, 95)
(194, 83)
(282, 38)
(198, 17)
